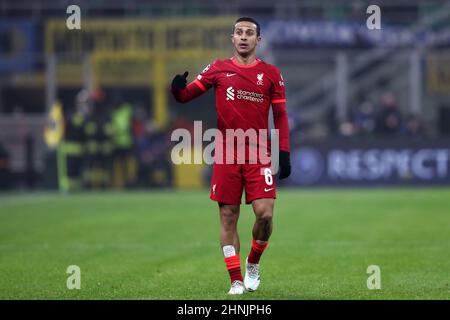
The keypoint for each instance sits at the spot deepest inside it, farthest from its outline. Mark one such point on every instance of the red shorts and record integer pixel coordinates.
(228, 181)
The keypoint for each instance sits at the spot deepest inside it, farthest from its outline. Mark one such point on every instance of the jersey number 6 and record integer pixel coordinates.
(268, 176)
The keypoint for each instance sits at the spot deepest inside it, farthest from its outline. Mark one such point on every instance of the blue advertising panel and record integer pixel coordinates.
(17, 45)
(374, 163)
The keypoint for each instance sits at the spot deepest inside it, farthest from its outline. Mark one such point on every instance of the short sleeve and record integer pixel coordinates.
(278, 92)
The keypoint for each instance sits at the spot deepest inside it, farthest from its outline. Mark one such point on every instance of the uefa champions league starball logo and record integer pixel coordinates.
(206, 68)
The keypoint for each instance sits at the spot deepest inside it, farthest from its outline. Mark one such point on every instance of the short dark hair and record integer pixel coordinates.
(248, 19)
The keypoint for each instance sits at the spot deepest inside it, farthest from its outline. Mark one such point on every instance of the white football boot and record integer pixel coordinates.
(251, 280)
(237, 287)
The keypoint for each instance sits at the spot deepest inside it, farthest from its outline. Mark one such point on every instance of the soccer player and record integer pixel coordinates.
(245, 88)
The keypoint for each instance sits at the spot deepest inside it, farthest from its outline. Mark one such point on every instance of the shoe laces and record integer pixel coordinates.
(253, 270)
(236, 283)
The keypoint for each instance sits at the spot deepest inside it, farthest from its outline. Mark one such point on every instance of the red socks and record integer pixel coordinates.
(233, 263)
(234, 268)
(256, 251)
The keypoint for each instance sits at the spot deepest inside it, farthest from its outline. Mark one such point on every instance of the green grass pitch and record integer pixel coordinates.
(164, 245)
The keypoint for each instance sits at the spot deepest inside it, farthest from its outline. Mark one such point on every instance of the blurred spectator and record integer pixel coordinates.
(347, 129)
(414, 128)
(364, 118)
(98, 131)
(74, 141)
(182, 122)
(125, 166)
(153, 152)
(139, 123)
(389, 119)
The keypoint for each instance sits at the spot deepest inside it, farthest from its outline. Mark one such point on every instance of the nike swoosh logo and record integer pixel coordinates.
(231, 74)
(266, 190)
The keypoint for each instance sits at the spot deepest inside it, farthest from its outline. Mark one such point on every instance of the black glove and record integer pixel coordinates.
(285, 165)
(179, 82)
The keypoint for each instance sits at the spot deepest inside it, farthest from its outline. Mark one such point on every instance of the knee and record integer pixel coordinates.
(264, 214)
(265, 218)
(229, 214)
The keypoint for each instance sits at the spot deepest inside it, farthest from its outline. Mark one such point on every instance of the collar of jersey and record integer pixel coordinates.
(245, 65)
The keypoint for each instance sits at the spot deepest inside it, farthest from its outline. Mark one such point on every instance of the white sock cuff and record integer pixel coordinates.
(228, 251)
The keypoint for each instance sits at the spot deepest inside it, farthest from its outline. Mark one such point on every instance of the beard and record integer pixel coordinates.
(246, 53)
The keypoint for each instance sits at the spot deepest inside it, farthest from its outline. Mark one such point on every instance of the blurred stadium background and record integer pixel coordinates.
(90, 109)
(365, 106)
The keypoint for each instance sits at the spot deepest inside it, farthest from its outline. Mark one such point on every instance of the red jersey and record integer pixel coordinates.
(244, 94)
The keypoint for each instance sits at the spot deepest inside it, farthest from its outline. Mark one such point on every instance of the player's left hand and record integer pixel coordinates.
(285, 165)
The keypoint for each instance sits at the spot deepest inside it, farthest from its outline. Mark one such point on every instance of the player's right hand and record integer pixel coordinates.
(180, 81)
